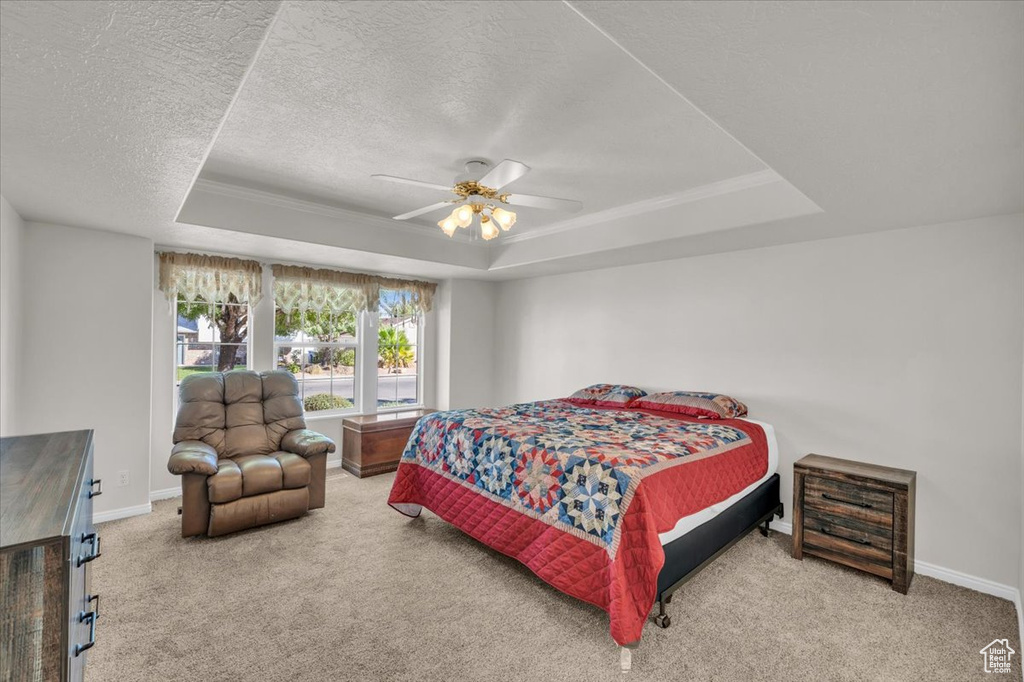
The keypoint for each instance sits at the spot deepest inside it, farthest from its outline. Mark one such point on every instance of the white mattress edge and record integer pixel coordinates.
(688, 523)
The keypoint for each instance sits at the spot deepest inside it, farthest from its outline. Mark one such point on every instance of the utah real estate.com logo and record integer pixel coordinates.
(997, 656)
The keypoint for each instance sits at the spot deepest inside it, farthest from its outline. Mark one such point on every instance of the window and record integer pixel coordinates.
(398, 353)
(211, 337)
(321, 351)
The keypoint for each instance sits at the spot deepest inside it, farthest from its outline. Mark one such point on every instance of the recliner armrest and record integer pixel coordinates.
(307, 443)
(192, 457)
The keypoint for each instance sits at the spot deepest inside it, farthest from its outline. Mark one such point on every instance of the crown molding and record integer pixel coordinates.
(233, 191)
(714, 189)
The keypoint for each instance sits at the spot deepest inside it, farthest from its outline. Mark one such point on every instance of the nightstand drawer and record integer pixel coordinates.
(847, 535)
(848, 500)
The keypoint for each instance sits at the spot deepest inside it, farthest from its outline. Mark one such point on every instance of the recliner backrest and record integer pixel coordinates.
(239, 412)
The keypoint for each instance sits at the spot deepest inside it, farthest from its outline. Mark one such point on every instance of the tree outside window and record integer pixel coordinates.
(397, 351)
(211, 337)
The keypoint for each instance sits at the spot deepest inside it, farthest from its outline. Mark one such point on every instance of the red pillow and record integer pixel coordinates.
(694, 404)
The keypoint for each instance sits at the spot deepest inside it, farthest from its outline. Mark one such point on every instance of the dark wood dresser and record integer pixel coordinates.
(373, 444)
(860, 515)
(47, 543)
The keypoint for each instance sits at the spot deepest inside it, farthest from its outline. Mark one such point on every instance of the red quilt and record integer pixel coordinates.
(578, 495)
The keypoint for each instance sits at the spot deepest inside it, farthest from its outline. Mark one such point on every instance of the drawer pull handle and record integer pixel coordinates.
(826, 531)
(94, 540)
(95, 598)
(862, 505)
(90, 618)
(92, 484)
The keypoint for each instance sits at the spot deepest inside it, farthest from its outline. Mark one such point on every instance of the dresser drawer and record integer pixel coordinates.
(847, 500)
(83, 609)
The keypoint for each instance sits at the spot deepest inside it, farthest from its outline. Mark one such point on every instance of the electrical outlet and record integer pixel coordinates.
(122, 478)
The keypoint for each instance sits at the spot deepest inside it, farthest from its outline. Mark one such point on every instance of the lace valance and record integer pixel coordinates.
(333, 292)
(211, 279)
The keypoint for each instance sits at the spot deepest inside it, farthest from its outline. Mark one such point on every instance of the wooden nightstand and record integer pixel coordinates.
(860, 515)
(373, 444)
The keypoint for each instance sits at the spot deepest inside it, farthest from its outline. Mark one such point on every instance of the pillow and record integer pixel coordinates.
(694, 404)
(606, 395)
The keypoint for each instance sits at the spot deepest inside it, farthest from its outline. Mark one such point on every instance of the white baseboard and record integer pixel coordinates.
(1020, 618)
(122, 513)
(947, 575)
(334, 463)
(165, 494)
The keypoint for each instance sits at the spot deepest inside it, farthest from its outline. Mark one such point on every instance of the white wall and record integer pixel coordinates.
(12, 231)
(86, 348)
(465, 357)
(900, 348)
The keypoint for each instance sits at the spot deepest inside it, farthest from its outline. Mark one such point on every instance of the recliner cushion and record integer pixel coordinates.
(257, 474)
(226, 484)
(239, 412)
(297, 472)
(260, 474)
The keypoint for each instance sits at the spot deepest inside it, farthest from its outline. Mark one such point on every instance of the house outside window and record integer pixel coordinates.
(211, 338)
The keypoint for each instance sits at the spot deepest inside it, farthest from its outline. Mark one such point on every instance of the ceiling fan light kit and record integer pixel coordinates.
(481, 197)
(490, 215)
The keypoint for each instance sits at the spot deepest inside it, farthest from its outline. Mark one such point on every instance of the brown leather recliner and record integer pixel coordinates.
(244, 453)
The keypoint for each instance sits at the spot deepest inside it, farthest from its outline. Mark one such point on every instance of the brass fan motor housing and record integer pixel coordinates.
(472, 187)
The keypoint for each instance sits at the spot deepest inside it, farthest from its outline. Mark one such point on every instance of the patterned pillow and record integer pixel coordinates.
(695, 404)
(606, 395)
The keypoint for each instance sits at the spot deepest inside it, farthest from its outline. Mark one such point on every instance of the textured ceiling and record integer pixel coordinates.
(684, 127)
(414, 89)
(107, 108)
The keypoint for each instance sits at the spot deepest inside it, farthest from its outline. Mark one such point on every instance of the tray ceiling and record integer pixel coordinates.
(683, 127)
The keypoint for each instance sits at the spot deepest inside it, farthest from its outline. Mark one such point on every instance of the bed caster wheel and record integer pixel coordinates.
(662, 621)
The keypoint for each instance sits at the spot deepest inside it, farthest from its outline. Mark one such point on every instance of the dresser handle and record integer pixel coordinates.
(94, 540)
(93, 483)
(94, 598)
(866, 543)
(90, 618)
(862, 505)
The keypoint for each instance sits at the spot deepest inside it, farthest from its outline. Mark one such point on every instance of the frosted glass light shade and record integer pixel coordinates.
(487, 228)
(463, 215)
(505, 219)
(448, 225)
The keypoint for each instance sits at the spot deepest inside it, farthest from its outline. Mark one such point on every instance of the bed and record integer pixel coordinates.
(616, 507)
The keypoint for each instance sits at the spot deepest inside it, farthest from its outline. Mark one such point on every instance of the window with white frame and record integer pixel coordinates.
(211, 337)
(321, 350)
(399, 376)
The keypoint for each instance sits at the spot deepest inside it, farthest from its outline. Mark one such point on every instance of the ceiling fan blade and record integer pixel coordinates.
(421, 211)
(417, 183)
(544, 202)
(506, 172)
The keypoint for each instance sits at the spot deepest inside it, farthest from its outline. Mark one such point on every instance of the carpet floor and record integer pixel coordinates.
(356, 591)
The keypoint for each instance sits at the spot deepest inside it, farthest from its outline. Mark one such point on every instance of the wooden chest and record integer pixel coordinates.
(373, 444)
(47, 543)
(860, 515)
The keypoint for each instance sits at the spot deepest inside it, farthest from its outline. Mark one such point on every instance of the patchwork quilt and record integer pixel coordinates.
(577, 494)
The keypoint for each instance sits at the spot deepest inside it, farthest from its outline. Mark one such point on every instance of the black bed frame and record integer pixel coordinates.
(687, 555)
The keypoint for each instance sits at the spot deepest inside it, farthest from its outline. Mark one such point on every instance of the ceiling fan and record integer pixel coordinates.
(478, 192)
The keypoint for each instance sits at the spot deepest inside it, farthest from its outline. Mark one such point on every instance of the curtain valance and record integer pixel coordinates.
(211, 279)
(332, 292)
